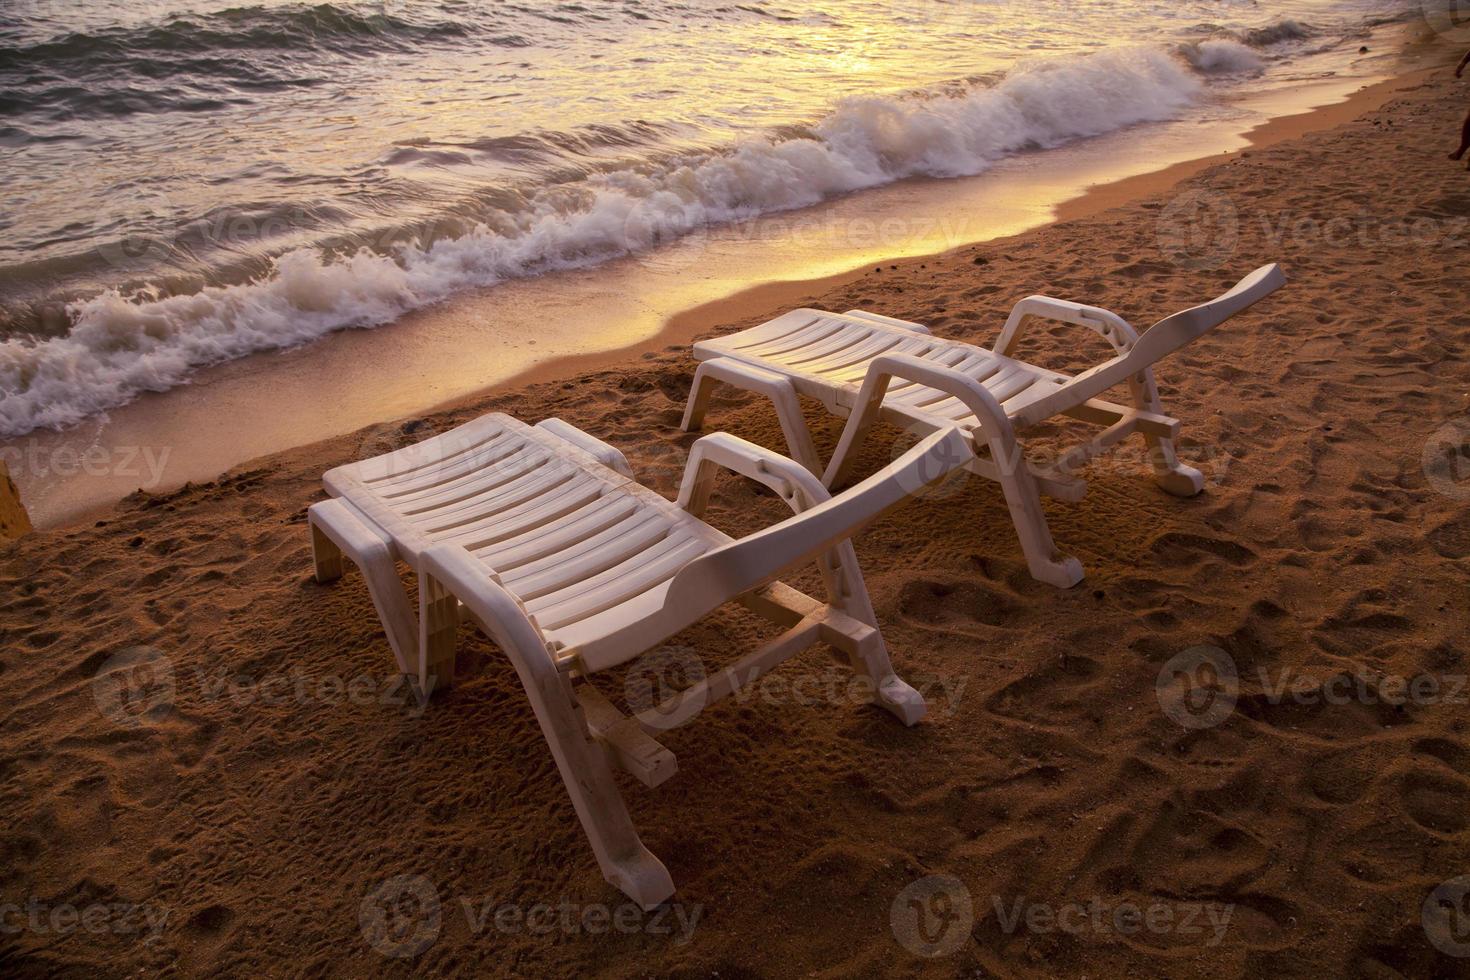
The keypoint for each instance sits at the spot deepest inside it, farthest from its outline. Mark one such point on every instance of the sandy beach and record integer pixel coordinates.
(275, 790)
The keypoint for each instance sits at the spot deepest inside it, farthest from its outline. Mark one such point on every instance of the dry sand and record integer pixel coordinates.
(257, 814)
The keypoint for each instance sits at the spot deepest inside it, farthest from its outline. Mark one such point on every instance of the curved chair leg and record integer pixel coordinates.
(582, 761)
(626, 864)
(890, 692)
(698, 405)
(1023, 496)
(587, 775)
(861, 638)
(777, 389)
(438, 636)
(854, 431)
(1023, 499)
(325, 555)
(1170, 474)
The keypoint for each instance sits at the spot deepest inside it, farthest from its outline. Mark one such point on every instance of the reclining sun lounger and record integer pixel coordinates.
(847, 362)
(572, 567)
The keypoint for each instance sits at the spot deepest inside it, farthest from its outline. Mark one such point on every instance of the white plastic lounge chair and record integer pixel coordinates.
(572, 567)
(847, 362)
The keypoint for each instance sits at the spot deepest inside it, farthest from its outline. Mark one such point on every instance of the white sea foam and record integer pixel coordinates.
(120, 346)
(1222, 58)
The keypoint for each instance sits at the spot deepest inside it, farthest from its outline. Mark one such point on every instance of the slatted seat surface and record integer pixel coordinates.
(570, 538)
(827, 356)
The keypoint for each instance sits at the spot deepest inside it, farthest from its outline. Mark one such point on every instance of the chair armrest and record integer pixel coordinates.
(791, 481)
(593, 446)
(1111, 327)
(738, 567)
(881, 371)
(758, 559)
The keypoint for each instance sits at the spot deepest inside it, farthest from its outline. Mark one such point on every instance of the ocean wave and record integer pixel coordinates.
(120, 346)
(1280, 32)
(191, 44)
(1222, 58)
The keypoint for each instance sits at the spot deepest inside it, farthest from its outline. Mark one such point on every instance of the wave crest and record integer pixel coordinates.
(1222, 58)
(151, 50)
(119, 345)
(1277, 33)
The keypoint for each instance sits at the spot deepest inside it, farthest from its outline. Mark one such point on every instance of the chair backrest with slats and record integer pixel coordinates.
(1173, 332)
(1158, 342)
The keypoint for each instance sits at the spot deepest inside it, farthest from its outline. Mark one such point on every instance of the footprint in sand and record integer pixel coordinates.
(962, 606)
(1450, 753)
(1181, 549)
(1054, 693)
(1434, 800)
